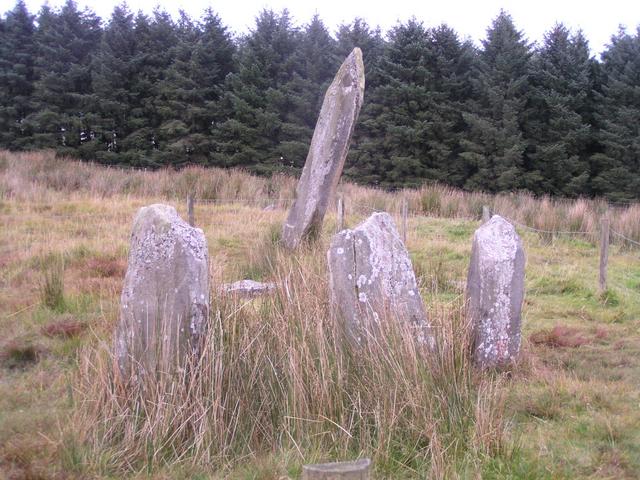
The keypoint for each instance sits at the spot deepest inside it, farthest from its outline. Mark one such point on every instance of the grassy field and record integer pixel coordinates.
(277, 393)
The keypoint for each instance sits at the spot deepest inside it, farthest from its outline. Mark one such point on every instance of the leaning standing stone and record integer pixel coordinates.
(372, 279)
(165, 300)
(327, 153)
(495, 291)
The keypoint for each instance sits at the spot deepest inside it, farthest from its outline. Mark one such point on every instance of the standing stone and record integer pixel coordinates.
(327, 153)
(495, 291)
(371, 278)
(165, 300)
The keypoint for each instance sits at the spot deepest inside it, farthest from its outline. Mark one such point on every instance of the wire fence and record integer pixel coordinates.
(625, 238)
(355, 209)
(548, 232)
(286, 202)
(605, 241)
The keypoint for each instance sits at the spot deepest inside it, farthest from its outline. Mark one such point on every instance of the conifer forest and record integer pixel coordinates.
(152, 90)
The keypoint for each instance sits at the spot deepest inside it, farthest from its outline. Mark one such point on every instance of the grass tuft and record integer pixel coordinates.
(18, 354)
(52, 287)
(66, 328)
(561, 336)
(276, 373)
(276, 389)
(610, 298)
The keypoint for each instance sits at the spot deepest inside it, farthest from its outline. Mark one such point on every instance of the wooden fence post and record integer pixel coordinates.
(340, 213)
(358, 470)
(190, 202)
(604, 252)
(486, 214)
(405, 212)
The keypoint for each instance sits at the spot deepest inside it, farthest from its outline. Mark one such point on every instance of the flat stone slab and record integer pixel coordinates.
(356, 470)
(495, 292)
(248, 288)
(372, 279)
(164, 306)
(328, 151)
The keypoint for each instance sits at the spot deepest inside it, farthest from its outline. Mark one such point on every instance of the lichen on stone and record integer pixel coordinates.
(377, 281)
(495, 290)
(165, 298)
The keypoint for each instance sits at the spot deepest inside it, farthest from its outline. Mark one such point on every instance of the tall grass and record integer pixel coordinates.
(52, 283)
(40, 176)
(275, 375)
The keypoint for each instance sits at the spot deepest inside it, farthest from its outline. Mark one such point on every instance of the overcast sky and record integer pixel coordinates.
(598, 19)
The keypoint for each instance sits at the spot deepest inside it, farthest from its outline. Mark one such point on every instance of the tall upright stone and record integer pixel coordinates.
(327, 153)
(372, 280)
(165, 300)
(495, 292)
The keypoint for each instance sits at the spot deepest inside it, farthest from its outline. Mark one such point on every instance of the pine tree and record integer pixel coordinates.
(192, 87)
(319, 62)
(17, 77)
(257, 100)
(453, 67)
(316, 64)
(155, 40)
(403, 100)
(369, 39)
(495, 149)
(415, 119)
(615, 169)
(145, 90)
(211, 63)
(113, 76)
(66, 42)
(557, 127)
(177, 92)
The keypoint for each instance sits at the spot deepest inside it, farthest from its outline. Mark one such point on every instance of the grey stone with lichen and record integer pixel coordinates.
(372, 280)
(247, 288)
(495, 292)
(164, 304)
(328, 151)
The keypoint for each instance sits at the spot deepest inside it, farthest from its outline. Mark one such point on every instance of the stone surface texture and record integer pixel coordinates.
(355, 470)
(328, 151)
(165, 300)
(495, 291)
(372, 279)
(247, 288)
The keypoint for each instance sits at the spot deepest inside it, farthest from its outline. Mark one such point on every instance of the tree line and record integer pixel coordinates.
(150, 90)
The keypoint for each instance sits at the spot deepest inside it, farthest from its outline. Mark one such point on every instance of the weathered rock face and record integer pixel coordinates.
(247, 288)
(165, 300)
(495, 291)
(327, 153)
(371, 279)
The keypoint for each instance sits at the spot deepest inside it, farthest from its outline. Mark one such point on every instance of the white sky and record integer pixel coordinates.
(598, 19)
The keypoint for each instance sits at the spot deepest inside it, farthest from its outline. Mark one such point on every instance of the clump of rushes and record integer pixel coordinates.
(52, 287)
(19, 353)
(276, 374)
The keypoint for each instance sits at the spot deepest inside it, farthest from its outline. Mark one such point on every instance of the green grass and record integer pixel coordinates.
(571, 412)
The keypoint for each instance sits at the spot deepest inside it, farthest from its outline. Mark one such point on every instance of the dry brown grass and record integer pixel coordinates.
(66, 328)
(560, 336)
(39, 175)
(20, 353)
(105, 267)
(275, 374)
(291, 389)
